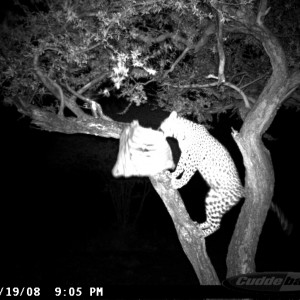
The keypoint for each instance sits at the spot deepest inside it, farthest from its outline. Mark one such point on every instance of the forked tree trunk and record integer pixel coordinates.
(259, 185)
(259, 181)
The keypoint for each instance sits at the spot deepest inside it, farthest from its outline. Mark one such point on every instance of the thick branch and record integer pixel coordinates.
(51, 122)
(188, 233)
(56, 90)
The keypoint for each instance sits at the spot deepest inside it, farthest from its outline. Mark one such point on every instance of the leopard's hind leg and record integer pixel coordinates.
(217, 203)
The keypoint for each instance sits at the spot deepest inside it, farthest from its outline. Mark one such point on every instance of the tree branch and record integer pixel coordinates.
(210, 29)
(56, 90)
(247, 105)
(294, 81)
(89, 85)
(221, 74)
(152, 40)
(253, 81)
(51, 85)
(262, 12)
(53, 123)
(188, 233)
(148, 39)
(181, 56)
(94, 106)
(259, 181)
(231, 85)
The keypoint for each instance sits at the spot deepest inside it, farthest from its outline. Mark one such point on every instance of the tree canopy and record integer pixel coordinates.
(175, 54)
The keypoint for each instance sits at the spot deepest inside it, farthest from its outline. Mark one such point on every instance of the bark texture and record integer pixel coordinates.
(188, 233)
(260, 180)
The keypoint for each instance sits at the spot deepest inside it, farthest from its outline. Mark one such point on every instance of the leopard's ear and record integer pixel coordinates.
(173, 115)
(135, 123)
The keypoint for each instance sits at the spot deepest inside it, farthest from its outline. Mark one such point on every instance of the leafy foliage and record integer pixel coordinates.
(145, 47)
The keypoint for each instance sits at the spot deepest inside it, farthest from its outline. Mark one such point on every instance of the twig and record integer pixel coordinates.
(262, 12)
(176, 62)
(238, 74)
(89, 85)
(211, 85)
(221, 75)
(247, 105)
(255, 80)
(91, 48)
(95, 107)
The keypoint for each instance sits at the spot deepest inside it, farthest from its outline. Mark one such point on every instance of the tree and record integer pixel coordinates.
(199, 58)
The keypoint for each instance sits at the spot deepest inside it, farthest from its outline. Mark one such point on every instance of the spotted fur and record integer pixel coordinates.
(201, 151)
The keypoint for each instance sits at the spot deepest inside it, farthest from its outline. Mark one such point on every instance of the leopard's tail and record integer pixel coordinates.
(287, 227)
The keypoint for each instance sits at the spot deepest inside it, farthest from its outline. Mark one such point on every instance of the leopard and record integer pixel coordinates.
(201, 151)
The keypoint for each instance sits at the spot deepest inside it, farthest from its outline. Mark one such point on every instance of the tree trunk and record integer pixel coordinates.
(259, 187)
(259, 181)
(188, 233)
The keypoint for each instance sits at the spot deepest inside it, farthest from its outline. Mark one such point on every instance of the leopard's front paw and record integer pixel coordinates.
(175, 184)
(168, 173)
(174, 181)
